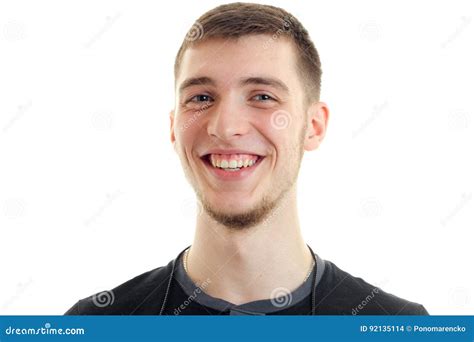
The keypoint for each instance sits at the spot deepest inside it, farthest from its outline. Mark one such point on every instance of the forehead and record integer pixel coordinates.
(227, 60)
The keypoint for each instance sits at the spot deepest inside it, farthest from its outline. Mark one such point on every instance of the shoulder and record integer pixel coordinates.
(140, 295)
(340, 293)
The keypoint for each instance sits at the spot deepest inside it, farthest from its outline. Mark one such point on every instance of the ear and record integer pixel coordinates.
(318, 117)
(172, 136)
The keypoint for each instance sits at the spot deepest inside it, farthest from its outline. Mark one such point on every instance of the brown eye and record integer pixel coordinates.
(200, 98)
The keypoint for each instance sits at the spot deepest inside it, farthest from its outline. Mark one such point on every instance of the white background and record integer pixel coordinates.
(91, 193)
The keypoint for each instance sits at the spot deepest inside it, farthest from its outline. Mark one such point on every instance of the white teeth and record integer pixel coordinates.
(231, 165)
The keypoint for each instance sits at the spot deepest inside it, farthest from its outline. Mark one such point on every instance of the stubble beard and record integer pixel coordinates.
(262, 210)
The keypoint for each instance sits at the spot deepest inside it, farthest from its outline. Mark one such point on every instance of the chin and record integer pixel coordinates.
(232, 202)
(231, 208)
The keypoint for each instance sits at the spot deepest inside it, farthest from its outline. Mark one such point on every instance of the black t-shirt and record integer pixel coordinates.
(281, 301)
(165, 291)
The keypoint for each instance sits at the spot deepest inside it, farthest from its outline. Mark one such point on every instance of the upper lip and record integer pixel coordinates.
(230, 151)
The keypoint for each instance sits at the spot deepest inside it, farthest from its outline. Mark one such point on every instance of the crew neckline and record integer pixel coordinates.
(258, 307)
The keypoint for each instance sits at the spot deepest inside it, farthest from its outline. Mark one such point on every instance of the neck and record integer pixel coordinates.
(272, 254)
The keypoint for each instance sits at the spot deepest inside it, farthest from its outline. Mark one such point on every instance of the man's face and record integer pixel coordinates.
(240, 102)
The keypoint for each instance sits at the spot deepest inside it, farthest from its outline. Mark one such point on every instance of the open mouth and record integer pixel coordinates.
(232, 162)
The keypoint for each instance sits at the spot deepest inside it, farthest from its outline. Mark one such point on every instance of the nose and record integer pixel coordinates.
(227, 119)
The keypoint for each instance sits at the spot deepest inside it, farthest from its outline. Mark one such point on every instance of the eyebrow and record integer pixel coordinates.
(273, 82)
(193, 81)
(270, 81)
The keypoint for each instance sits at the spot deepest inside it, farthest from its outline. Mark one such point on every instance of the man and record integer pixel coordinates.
(247, 108)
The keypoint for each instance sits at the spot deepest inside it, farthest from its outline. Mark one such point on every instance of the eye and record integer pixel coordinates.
(263, 97)
(200, 98)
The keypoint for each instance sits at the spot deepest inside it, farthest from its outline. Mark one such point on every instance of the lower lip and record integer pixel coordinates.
(241, 174)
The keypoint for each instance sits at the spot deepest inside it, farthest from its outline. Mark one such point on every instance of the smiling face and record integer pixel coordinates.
(239, 125)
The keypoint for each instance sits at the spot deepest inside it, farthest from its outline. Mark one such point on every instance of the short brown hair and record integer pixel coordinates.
(240, 19)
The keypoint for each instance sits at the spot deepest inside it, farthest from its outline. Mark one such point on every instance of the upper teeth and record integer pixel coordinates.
(233, 161)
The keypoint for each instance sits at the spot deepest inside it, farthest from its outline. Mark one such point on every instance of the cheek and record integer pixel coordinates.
(288, 149)
(186, 130)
